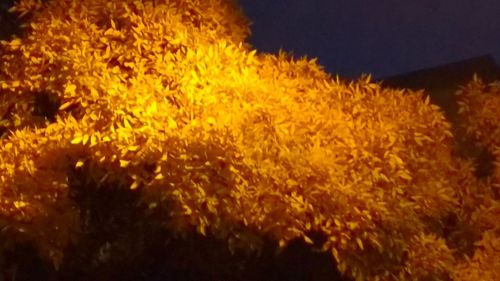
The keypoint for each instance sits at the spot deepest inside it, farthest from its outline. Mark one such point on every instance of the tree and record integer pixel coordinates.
(163, 103)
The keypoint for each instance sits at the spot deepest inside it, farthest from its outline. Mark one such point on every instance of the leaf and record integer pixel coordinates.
(211, 120)
(79, 164)
(427, 100)
(124, 163)
(308, 240)
(404, 175)
(201, 229)
(335, 254)
(360, 243)
(93, 140)
(133, 148)
(282, 243)
(65, 105)
(171, 123)
(77, 140)
(70, 89)
(134, 185)
(153, 108)
(15, 43)
(85, 139)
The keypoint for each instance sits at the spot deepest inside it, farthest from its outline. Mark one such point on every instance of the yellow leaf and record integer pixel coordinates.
(79, 164)
(335, 254)
(77, 140)
(133, 148)
(404, 175)
(308, 240)
(201, 229)
(127, 124)
(65, 105)
(211, 120)
(134, 185)
(158, 169)
(124, 163)
(93, 140)
(94, 92)
(282, 243)
(360, 243)
(70, 89)
(85, 139)
(15, 42)
(171, 123)
(20, 204)
(153, 108)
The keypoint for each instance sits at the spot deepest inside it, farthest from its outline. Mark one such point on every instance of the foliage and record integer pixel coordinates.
(479, 105)
(166, 99)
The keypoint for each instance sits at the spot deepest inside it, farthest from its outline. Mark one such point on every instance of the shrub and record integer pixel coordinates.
(165, 98)
(479, 105)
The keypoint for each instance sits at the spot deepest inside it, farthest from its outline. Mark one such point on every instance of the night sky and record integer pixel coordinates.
(381, 37)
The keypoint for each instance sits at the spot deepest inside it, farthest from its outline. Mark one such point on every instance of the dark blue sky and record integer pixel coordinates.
(382, 37)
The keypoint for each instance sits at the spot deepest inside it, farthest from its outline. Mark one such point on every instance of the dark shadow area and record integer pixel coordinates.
(9, 22)
(122, 239)
(46, 105)
(22, 263)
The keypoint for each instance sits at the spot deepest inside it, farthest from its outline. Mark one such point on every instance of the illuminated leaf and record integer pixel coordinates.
(70, 89)
(77, 140)
(65, 105)
(85, 139)
(133, 148)
(171, 123)
(134, 185)
(360, 243)
(79, 164)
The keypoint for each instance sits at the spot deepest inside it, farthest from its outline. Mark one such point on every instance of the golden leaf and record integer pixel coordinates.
(79, 164)
(15, 43)
(85, 139)
(201, 229)
(404, 175)
(335, 254)
(211, 120)
(171, 123)
(427, 100)
(77, 140)
(133, 148)
(360, 243)
(134, 185)
(65, 105)
(308, 240)
(70, 89)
